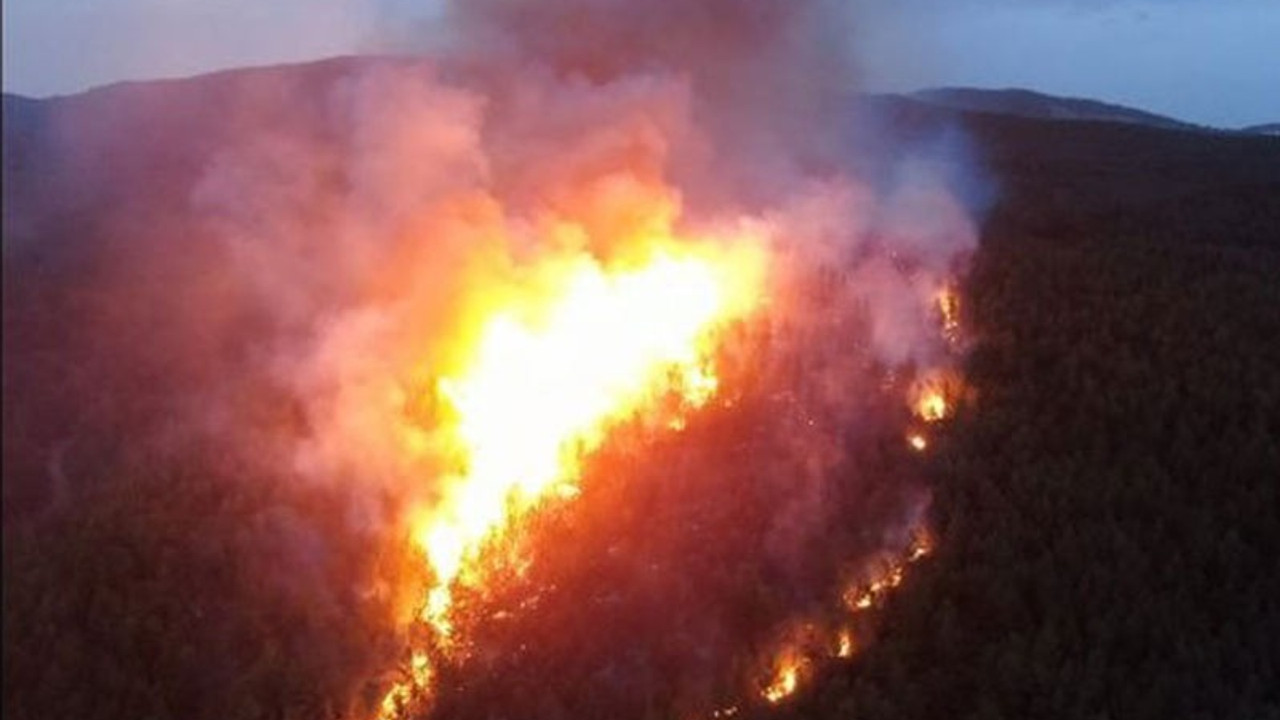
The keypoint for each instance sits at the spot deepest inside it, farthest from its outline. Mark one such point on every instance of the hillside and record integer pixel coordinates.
(1104, 508)
(1103, 540)
(1031, 104)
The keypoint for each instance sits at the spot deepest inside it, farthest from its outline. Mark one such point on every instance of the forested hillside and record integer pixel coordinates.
(1106, 504)
(1109, 507)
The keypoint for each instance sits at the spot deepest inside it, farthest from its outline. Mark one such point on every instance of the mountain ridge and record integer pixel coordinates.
(1034, 104)
(1263, 129)
(1015, 101)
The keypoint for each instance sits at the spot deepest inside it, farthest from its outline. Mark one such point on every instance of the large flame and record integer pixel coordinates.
(544, 369)
(546, 377)
(543, 385)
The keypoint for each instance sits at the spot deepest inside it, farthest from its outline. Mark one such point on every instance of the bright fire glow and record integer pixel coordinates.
(785, 680)
(541, 390)
(933, 396)
(547, 376)
(403, 693)
(862, 596)
(844, 644)
(932, 406)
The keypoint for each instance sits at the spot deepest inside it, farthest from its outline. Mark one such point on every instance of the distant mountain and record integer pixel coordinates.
(1031, 104)
(79, 157)
(69, 161)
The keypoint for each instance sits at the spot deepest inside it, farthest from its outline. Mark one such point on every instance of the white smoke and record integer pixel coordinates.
(577, 126)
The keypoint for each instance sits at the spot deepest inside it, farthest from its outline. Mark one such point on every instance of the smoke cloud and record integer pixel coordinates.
(344, 220)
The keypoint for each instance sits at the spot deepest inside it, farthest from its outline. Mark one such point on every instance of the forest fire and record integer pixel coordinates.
(540, 389)
(542, 383)
(403, 693)
(540, 386)
(561, 359)
(806, 647)
(935, 394)
(609, 338)
(785, 682)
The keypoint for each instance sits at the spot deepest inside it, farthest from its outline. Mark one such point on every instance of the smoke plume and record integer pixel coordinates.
(346, 220)
(578, 126)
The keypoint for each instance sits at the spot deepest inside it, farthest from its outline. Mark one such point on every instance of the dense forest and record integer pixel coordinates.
(1108, 508)
(1106, 504)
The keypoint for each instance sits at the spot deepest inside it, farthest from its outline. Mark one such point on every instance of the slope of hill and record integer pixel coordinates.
(1105, 509)
(1264, 129)
(1103, 542)
(1031, 104)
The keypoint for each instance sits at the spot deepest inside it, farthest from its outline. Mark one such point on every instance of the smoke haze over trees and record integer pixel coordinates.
(273, 267)
(1104, 508)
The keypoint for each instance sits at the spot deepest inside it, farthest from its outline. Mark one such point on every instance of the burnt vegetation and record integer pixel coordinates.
(1105, 508)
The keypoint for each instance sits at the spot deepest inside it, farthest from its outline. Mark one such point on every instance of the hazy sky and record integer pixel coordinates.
(1215, 62)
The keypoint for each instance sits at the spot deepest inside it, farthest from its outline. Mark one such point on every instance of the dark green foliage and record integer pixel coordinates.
(158, 593)
(1109, 507)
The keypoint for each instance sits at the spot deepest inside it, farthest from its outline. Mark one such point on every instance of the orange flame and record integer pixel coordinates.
(947, 301)
(932, 405)
(785, 681)
(933, 396)
(813, 641)
(547, 376)
(863, 596)
(540, 391)
(844, 644)
(403, 693)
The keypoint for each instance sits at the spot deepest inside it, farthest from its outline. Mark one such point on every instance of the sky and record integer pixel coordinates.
(1212, 62)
